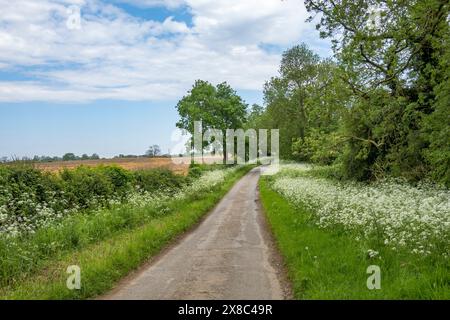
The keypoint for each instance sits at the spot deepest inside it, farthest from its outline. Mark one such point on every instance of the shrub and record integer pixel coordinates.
(195, 169)
(86, 186)
(121, 179)
(158, 180)
(318, 147)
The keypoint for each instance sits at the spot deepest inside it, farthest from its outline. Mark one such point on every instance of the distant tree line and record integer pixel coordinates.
(72, 157)
(152, 151)
(66, 157)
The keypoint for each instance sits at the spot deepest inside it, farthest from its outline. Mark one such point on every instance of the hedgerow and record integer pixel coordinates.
(31, 198)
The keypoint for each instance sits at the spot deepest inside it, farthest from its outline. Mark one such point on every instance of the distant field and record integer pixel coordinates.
(126, 163)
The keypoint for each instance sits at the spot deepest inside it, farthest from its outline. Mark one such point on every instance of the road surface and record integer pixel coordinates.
(230, 255)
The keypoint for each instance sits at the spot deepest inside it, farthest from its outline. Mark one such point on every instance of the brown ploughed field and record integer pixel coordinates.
(126, 163)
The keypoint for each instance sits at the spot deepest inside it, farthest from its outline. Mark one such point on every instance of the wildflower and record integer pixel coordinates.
(403, 215)
(372, 253)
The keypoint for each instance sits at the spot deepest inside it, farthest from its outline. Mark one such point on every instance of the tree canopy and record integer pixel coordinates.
(379, 107)
(218, 107)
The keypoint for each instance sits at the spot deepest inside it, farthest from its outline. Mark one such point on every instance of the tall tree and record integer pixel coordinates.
(299, 68)
(153, 151)
(437, 127)
(69, 157)
(307, 95)
(217, 107)
(393, 69)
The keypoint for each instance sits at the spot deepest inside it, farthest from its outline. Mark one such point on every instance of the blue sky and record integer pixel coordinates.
(89, 76)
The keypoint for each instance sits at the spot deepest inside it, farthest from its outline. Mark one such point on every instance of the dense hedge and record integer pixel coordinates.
(26, 191)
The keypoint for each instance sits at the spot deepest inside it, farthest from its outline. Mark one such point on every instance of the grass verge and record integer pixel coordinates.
(330, 264)
(105, 262)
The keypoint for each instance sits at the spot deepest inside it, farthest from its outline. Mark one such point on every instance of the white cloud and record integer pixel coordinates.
(271, 21)
(117, 56)
(154, 3)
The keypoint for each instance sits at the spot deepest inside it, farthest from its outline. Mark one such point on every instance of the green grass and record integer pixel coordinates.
(330, 264)
(117, 249)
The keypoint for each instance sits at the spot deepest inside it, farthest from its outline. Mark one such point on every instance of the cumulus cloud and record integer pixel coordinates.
(114, 55)
(154, 3)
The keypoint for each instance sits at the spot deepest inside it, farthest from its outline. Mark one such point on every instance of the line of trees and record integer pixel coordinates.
(380, 107)
(72, 157)
(66, 157)
(152, 151)
(396, 80)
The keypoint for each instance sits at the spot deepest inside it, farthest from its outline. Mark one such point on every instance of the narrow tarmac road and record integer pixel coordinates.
(230, 255)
